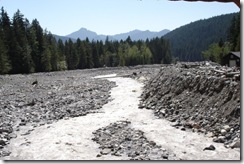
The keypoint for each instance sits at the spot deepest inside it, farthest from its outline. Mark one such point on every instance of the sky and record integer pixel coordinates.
(110, 17)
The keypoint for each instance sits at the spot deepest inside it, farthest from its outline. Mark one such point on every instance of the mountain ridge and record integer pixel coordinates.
(135, 35)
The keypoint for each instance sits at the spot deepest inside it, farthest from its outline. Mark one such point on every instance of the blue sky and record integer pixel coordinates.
(110, 17)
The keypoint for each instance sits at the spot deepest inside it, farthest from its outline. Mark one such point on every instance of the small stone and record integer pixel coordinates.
(117, 154)
(141, 106)
(2, 142)
(223, 132)
(211, 147)
(226, 127)
(183, 129)
(22, 123)
(99, 155)
(220, 139)
(236, 144)
(105, 151)
(165, 156)
(68, 144)
(26, 133)
(210, 134)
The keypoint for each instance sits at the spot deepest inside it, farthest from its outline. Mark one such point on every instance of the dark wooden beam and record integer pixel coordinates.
(237, 2)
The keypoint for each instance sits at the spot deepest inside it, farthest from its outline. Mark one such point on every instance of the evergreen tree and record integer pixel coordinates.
(62, 65)
(88, 54)
(81, 52)
(167, 57)
(5, 26)
(5, 66)
(234, 33)
(46, 60)
(95, 53)
(100, 52)
(72, 57)
(22, 61)
(129, 41)
(6, 40)
(39, 48)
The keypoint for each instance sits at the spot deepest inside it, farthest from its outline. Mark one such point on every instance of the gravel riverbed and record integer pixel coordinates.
(72, 115)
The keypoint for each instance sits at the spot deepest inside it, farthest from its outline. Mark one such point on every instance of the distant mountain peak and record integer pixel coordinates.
(136, 34)
(82, 33)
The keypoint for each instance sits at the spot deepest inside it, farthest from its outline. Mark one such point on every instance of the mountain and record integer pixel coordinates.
(83, 33)
(140, 35)
(135, 35)
(188, 41)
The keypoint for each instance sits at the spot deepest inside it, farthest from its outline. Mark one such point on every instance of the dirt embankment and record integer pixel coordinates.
(200, 97)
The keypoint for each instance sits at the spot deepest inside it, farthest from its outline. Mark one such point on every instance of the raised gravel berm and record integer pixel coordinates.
(198, 96)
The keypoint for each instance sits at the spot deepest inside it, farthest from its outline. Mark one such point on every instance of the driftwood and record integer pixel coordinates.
(219, 71)
(228, 74)
(232, 74)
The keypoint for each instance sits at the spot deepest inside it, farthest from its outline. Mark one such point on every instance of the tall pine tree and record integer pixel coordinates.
(22, 61)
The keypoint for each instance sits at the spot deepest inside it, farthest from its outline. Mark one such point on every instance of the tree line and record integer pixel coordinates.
(26, 48)
(217, 50)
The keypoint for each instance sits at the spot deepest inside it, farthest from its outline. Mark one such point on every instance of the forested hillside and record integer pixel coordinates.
(26, 48)
(188, 42)
(217, 51)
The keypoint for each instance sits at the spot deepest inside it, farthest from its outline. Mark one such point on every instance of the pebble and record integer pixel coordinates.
(211, 147)
(223, 132)
(236, 144)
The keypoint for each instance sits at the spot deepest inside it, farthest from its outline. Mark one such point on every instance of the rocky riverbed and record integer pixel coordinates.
(41, 119)
(56, 96)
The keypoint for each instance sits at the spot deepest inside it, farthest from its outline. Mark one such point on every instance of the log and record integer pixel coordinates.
(219, 71)
(232, 74)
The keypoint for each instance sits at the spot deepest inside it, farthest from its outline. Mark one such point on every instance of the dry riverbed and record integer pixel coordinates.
(118, 130)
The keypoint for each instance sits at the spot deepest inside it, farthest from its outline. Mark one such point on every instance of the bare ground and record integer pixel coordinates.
(71, 138)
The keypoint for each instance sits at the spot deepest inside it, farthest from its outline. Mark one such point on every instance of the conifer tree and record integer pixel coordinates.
(95, 54)
(72, 58)
(39, 44)
(5, 66)
(22, 61)
(5, 45)
(81, 52)
(62, 65)
(88, 54)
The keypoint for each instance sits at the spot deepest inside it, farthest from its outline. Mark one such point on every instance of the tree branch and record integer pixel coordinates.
(237, 2)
